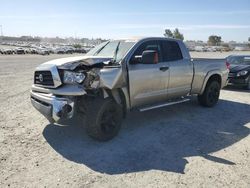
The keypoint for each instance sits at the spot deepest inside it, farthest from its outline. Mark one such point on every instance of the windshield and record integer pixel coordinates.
(116, 49)
(239, 59)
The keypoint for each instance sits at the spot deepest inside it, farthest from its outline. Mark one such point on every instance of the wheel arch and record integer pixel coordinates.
(212, 75)
(120, 96)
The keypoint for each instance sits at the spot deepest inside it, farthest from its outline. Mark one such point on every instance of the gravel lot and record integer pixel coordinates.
(178, 146)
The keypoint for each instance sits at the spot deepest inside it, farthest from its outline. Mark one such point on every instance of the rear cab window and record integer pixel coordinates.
(171, 51)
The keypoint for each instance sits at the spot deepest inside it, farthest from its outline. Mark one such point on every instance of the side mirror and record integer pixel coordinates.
(136, 59)
(149, 57)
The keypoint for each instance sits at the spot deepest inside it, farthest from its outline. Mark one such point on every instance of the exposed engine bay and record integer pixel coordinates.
(98, 72)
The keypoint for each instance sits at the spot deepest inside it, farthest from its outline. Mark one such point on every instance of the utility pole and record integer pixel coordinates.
(1, 30)
(1, 37)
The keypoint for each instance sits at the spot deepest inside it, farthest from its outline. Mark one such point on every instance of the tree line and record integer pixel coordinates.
(213, 40)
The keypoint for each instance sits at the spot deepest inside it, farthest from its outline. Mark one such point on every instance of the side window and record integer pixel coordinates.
(149, 45)
(171, 51)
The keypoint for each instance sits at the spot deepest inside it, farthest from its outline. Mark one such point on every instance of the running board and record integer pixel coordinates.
(164, 104)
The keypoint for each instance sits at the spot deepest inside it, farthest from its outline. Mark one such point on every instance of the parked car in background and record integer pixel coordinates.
(199, 48)
(43, 51)
(51, 50)
(8, 51)
(239, 74)
(27, 51)
(211, 49)
(19, 51)
(33, 51)
(191, 48)
(59, 51)
(240, 48)
(80, 50)
(87, 49)
(69, 50)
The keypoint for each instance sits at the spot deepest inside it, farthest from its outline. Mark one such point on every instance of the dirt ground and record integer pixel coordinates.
(184, 145)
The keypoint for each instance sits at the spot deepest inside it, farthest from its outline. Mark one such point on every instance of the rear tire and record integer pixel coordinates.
(210, 96)
(104, 118)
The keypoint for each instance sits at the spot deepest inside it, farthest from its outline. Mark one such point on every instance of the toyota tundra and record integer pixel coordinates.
(119, 76)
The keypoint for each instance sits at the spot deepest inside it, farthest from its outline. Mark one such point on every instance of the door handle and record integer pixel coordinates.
(164, 69)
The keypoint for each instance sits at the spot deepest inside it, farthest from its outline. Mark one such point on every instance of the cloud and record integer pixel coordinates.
(32, 17)
(146, 13)
(181, 27)
(222, 26)
(239, 12)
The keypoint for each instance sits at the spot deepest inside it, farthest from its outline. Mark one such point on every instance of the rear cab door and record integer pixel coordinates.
(180, 68)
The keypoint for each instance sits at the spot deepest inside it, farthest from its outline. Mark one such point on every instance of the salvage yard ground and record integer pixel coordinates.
(182, 145)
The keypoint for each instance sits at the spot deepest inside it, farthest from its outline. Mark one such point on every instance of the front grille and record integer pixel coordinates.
(43, 78)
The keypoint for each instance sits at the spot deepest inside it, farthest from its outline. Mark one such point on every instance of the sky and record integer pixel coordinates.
(112, 19)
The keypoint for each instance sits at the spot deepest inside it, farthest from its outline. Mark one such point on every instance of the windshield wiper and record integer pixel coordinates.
(116, 52)
(101, 48)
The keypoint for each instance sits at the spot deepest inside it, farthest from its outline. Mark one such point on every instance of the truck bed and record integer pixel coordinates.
(202, 65)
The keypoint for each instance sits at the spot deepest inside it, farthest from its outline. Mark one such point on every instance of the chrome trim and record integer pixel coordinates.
(65, 90)
(56, 76)
(162, 105)
(54, 72)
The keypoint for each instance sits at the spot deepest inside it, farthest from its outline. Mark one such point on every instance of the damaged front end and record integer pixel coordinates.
(59, 83)
(52, 107)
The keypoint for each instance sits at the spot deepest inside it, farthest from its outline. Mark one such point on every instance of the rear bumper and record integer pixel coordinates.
(52, 107)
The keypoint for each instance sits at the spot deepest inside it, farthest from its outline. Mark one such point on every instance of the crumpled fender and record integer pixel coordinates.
(111, 78)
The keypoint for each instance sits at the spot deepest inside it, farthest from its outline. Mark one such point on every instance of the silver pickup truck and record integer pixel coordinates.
(122, 75)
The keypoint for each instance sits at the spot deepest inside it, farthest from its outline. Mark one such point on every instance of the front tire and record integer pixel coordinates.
(210, 96)
(104, 118)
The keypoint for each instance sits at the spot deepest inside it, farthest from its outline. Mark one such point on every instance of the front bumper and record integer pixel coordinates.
(52, 107)
(58, 103)
(238, 81)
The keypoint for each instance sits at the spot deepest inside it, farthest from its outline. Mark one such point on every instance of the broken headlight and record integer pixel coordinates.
(70, 77)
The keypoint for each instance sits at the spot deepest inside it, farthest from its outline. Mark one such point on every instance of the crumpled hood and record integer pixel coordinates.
(236, 68)
(71, 63)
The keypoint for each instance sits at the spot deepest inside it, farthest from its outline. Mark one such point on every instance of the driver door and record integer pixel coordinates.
(148, 82)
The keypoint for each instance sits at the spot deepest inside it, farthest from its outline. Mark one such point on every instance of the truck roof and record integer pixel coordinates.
(136, 39)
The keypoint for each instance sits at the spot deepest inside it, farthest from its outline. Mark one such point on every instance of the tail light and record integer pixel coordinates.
(227, 65)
